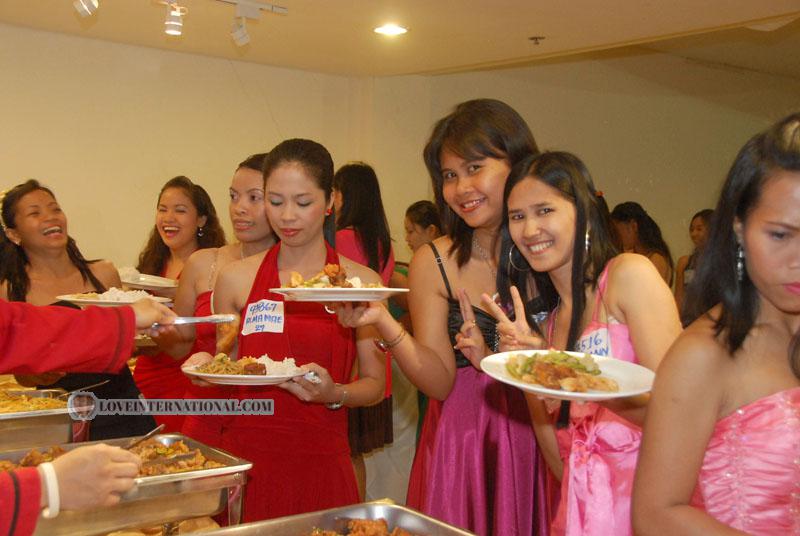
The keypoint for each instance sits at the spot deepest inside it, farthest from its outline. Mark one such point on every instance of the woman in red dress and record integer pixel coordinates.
(193, 297)
(300, 454)
(185, 221)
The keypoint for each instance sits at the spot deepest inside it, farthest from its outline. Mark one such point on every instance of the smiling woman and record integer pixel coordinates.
(40, 261)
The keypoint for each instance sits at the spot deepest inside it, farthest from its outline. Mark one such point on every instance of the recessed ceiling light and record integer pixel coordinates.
(390, 29)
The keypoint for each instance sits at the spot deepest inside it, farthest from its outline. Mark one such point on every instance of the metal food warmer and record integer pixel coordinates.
(157, 499)
(336, 519)
(39, 428)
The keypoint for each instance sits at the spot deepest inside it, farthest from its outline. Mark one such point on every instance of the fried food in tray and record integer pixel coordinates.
(11, 403)
(560, 371)
(149, 451)
(332, 276)
(365, 527)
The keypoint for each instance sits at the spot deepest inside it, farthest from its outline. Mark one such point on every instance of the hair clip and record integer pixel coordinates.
(599, 193)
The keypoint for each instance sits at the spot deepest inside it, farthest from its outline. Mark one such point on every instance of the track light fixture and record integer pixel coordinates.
(85, 7)
(239, 31)
(173, 24)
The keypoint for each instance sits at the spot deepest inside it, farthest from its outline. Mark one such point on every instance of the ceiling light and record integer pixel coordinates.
(85, 7)
(173, 24)
(390, 29)
(239, 32)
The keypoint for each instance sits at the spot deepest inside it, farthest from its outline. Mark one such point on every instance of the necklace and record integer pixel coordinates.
(485, 256)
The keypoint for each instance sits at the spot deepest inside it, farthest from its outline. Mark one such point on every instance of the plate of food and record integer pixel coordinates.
(111, 298)
(569, 375)
(222, 370)
(333, 285)
(133, 279)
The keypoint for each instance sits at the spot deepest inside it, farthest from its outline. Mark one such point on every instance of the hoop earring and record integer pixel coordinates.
(511, 260)
(200, 232)
(739, 263)
(587, 243)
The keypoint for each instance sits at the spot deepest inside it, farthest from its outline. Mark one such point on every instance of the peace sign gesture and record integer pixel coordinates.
(516, 335)
(469, 338)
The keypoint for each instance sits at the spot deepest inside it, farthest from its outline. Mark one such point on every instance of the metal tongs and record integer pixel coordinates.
(86, 388)
(211, 319)
(148, 435)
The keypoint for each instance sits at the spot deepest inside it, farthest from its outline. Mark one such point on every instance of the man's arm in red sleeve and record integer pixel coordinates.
(40, 339)
(20, 498)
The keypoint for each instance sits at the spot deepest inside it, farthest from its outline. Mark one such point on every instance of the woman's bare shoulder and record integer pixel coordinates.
(352, 268)
(106, 272)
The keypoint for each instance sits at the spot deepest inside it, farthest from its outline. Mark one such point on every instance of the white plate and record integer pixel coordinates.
(79, 299)
(632, 379)
(338, 294)
(150, 282)
(240, 379)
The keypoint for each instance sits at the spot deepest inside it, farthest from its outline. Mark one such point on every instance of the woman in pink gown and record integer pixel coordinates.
(721, 449)
(598, 302)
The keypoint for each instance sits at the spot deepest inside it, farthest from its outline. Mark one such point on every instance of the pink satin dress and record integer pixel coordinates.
(750, 478)
(599, 448)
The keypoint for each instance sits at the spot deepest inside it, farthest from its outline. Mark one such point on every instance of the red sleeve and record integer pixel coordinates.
(41, 339)
(20, 496)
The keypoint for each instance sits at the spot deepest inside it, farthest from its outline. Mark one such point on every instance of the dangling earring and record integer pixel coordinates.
(200, 232)
(511, 260)
(740, 262)
(587, 242)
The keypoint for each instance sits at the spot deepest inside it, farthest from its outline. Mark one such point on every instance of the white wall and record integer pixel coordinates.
(106, 125)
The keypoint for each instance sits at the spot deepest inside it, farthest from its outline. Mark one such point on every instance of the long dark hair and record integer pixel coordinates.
(481, 128)
(424, 213)
(13, 269)
(362, 209)
(649, 233)
(717, 281)
(566, 173)
(254, 162)
(153, 258)
(317, 162)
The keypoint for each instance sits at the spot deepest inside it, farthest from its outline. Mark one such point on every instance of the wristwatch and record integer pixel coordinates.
(340, 403)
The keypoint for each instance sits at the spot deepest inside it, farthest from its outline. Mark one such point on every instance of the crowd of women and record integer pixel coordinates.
(519, 251)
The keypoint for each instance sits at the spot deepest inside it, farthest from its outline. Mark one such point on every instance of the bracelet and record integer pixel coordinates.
(339, 404)
(384, 345)
(51, 482)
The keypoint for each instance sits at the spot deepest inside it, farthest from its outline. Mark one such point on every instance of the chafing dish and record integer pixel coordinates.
(157, 499)
(300, 525)
(41, 428)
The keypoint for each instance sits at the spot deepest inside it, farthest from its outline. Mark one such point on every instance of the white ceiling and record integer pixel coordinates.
(335, 36)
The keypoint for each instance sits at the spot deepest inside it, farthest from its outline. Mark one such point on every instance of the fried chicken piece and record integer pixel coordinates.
(368, 527)
(6, 465)
(295, 280)
(550, 375)
(336, 275)
(401, 532)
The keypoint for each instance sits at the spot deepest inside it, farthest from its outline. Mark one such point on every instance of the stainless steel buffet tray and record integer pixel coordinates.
(41, 428)
(157, 499)
(302, 524)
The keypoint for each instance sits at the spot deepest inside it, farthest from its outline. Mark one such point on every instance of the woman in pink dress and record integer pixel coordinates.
(721, 450)
(598, 302)
(477, 465)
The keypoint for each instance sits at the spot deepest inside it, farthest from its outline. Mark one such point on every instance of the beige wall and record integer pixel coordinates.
(106, 125)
